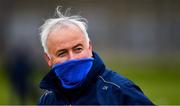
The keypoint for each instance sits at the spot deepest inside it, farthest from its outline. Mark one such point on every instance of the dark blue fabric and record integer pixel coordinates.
(73, 72)
(101, 87)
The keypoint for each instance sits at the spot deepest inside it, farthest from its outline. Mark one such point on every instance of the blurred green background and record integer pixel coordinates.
(139, 39)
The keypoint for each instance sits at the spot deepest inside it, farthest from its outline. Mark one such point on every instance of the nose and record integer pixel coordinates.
(71, 56)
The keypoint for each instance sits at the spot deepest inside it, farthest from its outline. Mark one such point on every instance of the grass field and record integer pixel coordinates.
(159, 79)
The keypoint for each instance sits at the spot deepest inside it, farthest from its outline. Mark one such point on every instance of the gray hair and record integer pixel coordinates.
(61, 20)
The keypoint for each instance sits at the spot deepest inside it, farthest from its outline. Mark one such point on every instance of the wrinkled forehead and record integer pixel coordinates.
(65, 29)
(65, 32)
(65, 25)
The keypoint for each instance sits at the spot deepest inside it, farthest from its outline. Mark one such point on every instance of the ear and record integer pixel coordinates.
(90, 48)
(90, 45)
(48, 60)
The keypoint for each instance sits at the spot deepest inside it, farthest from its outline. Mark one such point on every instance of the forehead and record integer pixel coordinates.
(63, 32)
(65, 36)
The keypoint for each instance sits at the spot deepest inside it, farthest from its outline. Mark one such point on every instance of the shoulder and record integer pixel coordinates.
(46, 97)
(121, 89)
(114, 79)
(119, 83)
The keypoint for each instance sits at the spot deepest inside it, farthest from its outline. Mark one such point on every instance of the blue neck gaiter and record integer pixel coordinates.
(72, 73)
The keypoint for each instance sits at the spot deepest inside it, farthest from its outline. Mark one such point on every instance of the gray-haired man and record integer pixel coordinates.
(78, 76)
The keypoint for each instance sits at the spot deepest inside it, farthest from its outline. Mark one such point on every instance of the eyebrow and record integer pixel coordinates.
(78, 45)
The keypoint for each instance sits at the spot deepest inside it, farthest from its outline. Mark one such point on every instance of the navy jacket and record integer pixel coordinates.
(101, 87)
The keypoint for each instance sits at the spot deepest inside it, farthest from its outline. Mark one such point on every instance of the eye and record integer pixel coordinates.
(78, 49)
(61, 54)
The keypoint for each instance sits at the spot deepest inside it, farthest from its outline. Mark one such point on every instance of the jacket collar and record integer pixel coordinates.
(51, 82)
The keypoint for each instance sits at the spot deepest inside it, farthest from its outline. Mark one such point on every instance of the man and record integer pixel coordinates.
(78, 76)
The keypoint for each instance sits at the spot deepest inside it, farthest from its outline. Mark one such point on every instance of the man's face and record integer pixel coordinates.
(67, 43)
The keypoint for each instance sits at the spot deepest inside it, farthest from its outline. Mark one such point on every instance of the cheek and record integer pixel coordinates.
(58, 60)
(87, 54)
